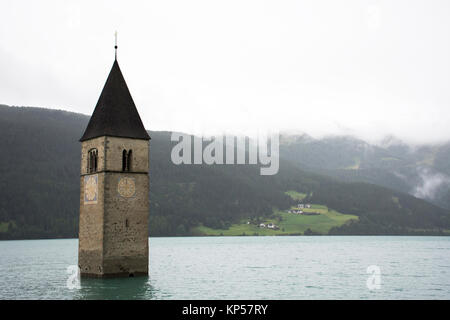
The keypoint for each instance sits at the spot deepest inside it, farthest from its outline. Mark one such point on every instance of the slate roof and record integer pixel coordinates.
(115, 114)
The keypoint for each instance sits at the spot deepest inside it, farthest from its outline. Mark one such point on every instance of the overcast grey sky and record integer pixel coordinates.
(367, 68)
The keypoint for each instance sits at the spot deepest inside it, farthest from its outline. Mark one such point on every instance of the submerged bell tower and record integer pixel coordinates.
(114, 186)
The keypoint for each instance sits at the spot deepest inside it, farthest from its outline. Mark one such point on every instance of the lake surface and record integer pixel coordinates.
(319, 267)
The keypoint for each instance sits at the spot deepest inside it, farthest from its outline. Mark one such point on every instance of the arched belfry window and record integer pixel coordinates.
(96, 160)
(92, 161)
(127, 157)
(124, 160)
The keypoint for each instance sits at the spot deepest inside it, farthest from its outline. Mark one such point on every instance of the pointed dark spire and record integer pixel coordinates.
(115, 114)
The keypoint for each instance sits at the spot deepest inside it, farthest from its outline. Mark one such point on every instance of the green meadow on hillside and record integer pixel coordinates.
(288, 223)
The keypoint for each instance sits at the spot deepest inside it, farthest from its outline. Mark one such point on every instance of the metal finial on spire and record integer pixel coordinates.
(115, 47)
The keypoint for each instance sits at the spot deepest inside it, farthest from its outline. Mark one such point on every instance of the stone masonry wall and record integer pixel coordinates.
(113, 236)
(126, 226)
(90, 243)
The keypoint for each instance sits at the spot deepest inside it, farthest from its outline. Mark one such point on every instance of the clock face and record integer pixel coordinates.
(90, 189)
(126, 187)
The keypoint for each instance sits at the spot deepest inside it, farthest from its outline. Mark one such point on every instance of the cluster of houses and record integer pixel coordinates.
(269, 226)
(296, 211)
(303, 206)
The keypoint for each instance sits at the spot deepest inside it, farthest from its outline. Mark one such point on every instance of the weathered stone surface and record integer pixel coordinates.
(113, 234)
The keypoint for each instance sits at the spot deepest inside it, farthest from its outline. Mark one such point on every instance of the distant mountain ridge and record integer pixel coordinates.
(422, 171)
(39, 180)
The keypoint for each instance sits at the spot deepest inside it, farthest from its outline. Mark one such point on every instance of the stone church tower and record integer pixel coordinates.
(114, 186)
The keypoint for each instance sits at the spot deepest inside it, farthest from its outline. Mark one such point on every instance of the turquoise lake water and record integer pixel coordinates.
(319, 267)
